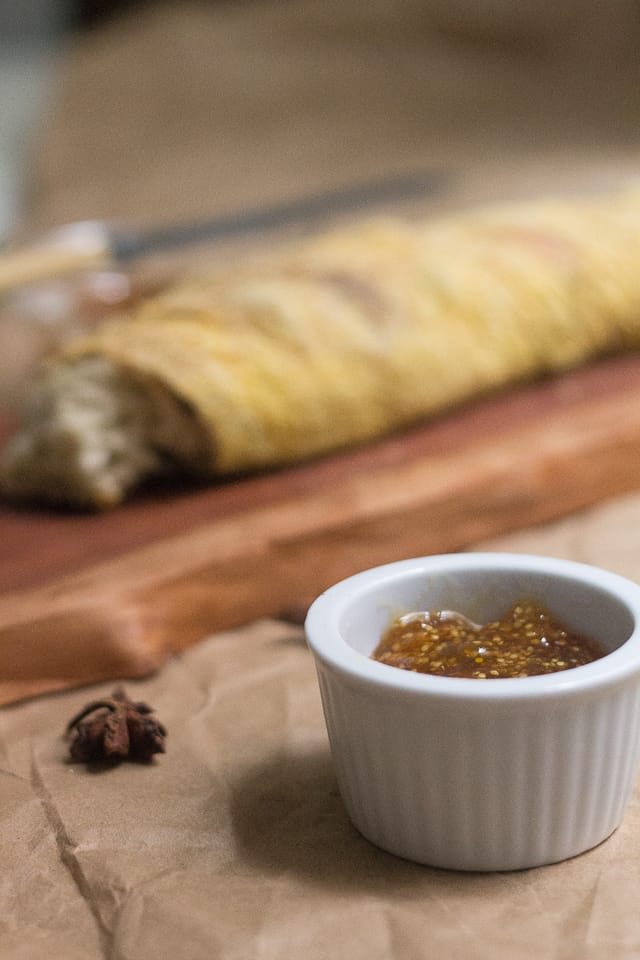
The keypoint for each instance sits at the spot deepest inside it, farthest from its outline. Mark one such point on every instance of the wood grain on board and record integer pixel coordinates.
(91, 597)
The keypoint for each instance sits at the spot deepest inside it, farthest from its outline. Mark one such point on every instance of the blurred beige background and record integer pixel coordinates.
(159, 111)
(145, 112)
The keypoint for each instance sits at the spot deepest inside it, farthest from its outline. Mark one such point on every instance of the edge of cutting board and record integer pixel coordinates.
(89, 598)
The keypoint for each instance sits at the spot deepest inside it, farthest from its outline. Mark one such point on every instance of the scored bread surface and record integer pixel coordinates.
(334, 341)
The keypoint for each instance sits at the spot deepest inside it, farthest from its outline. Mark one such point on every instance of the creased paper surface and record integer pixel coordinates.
(235, 844)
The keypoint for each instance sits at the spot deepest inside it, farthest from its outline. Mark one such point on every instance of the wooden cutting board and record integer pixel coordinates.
(86, 597)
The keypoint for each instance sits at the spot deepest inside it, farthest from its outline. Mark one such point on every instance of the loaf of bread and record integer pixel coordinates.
(332, 342)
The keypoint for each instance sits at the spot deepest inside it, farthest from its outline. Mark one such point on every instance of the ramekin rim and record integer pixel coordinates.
(325, 613)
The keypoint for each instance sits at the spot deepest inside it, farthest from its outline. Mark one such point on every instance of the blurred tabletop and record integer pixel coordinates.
(235, 844)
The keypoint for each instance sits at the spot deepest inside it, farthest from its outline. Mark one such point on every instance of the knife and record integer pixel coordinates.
(99, 245)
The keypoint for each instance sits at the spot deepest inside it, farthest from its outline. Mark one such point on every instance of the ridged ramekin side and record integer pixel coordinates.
(486, 785)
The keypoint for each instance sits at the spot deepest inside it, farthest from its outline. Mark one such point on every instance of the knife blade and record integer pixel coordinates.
(97, 244)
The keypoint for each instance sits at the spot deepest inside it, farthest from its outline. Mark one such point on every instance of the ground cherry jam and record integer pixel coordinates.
(526, 641)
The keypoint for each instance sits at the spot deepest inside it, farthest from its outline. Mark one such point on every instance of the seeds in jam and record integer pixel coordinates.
(527, 641)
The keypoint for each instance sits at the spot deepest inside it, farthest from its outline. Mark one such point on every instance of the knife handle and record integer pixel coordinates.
(78, 246)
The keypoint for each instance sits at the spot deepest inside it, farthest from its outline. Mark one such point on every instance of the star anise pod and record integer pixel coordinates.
(115, 728)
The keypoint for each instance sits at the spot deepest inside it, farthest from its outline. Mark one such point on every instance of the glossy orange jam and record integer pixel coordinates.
(527, 641)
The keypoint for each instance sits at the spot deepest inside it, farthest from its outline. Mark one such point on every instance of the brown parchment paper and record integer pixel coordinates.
(235, 844)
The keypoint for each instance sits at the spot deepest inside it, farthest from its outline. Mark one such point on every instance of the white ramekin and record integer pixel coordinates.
(481, 774)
